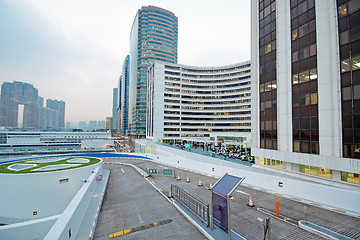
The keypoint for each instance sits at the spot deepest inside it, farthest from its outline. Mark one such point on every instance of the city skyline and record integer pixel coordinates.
(75, 51)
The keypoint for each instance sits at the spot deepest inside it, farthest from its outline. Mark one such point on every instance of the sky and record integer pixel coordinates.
(73, 50)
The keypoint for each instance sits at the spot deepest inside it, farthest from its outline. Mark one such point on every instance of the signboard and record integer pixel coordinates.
(168, 172)
(152, 171)
(221, 200)
(220, 211)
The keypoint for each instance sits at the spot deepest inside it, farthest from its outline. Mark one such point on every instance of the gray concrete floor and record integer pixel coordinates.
(130, 202)
(244, 219)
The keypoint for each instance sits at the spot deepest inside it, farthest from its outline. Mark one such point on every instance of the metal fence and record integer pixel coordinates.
(194, 205)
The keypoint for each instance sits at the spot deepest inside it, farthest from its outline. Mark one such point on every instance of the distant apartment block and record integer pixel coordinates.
(306, 87)
(59, 106)
(154, 37)
(20, 103)
(201, 104)
(17, 95)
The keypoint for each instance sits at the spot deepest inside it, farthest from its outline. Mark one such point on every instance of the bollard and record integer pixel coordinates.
(251, 204)
(210, 186)
(170, 196)
(200, 184)
(187, 179)
(178, 177)
(277, 209)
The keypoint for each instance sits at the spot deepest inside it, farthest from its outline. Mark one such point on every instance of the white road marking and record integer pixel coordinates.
(122, 170)
(140, 218)
(242, 192)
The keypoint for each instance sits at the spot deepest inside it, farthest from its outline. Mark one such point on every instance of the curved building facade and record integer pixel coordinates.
(202, 104)
(154, 37)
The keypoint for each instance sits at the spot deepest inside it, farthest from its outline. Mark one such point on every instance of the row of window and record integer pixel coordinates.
(245, 95)
(204, 87)
(216, 113)
(216, 76)
(215, 108)
(214, 92)
(209, 70)
(316, 171)
(212, 130)
(224, 102)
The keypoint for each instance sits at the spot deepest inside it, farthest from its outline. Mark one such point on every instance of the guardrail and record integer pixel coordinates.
(210, 154)
(194, 205)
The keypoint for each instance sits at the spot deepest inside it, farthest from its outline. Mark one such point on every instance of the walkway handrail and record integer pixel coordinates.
(194, 205)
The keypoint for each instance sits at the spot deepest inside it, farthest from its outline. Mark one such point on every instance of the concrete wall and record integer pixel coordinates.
(40, 192)
(68, 223)
(35, 229)
(325, 194)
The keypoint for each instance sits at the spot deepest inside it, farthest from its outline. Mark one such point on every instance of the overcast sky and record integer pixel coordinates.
(73, 50)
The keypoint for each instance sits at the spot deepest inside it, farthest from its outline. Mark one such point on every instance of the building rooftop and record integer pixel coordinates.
(46, 165)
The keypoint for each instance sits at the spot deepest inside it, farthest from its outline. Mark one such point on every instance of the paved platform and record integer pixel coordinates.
(132, 203)
(244, 219)
(215, 233)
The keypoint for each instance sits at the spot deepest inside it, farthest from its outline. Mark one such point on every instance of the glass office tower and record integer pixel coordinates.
(154, 36)
(124, 97)
(306, 87)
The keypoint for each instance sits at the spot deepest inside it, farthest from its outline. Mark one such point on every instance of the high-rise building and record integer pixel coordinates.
(40, 102)
(42, 118)
(306, 87)
(124, 98)
(108, 123)
(118, 122)
(115, 109)
(154, 36)
(13, 95)
(206, 105)
(60, 107)
(52, 119)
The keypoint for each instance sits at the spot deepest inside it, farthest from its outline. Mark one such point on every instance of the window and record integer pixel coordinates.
(350, 177)
(312, 50)
(342, 10)
(346, 93)
(345, 65)
(356, 92)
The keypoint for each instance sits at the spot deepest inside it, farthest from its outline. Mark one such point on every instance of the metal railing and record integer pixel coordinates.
(209, 154)
(194, 205)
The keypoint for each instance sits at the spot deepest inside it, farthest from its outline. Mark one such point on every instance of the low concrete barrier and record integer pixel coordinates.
(34, 229)
(338, 199)
(68, 223)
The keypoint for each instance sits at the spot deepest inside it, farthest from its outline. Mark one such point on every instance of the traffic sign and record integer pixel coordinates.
(152, 171)
(168, 172)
